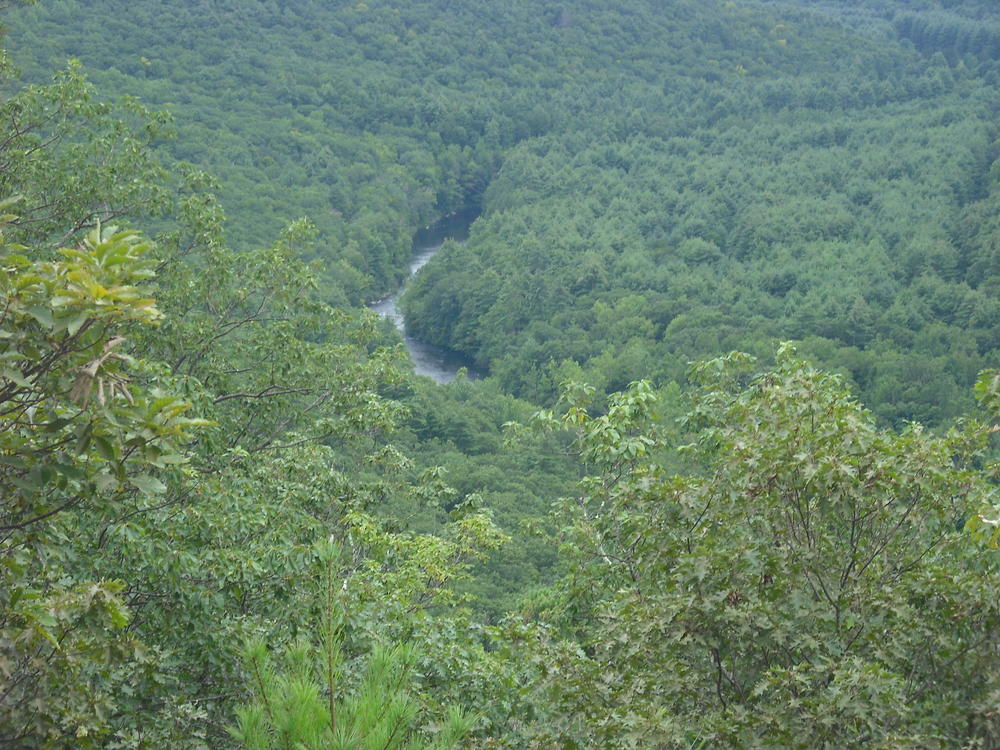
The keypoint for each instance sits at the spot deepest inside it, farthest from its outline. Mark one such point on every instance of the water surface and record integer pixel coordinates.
(436, 362)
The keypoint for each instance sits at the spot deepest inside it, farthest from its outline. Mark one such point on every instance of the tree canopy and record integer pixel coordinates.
(232, 516)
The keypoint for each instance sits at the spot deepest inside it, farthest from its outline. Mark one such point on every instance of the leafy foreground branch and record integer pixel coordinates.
(814, 585)
(75, 437)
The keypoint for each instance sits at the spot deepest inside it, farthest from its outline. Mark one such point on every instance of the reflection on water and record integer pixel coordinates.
(436, 362)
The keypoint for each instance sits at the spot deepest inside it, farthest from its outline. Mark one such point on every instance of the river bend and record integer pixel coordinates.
(436, 362)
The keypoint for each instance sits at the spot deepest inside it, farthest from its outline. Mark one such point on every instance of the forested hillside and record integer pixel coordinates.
(843, 208)
(231, 514)
(676, 180)
(953, 27)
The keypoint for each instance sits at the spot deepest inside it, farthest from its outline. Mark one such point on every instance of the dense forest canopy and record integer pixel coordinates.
(232, 516)
(657, 184)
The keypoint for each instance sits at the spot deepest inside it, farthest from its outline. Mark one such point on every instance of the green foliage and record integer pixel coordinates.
(352, 152)
(64, 154)
(459, 428)
(159, 511)
(632, 270)
(71, 420)
(677, 181)
(812, 588)
(739, 173)
(294, 712)
(75, 435)
(985, 524)
(307, 704)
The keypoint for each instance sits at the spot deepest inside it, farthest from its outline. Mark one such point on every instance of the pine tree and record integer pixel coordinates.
(305, 704)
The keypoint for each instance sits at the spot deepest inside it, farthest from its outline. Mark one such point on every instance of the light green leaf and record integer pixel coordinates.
(147, 484)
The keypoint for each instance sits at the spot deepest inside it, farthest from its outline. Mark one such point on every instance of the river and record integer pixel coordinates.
(436, 362)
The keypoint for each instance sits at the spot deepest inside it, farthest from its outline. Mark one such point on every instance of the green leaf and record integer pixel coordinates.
(14, 461)
(105, 448)
(83, 435)
(57, 424)
(76, 323)
(16, 377)
(42, 314)
(25, 484)
(147, 484)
